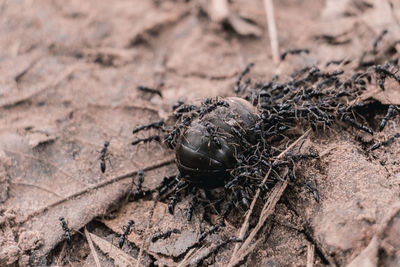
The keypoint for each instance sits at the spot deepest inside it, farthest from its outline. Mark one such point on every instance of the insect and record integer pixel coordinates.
(311, 186)
(153, 125)
(378, 39)
(127, 230)
(149, 139)
(165, 235)
(388, 115)
(103, 155)
(139, 192)
(64, 226)
(149, 90)
(294, 52)
(387, 142)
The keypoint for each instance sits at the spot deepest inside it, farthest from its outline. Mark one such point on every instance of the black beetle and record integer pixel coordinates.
(204, 162)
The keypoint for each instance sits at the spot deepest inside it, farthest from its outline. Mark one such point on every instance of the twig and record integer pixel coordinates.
(97, 186)
(273, 35)
(94, 253)
(245, 224)
(310, 255)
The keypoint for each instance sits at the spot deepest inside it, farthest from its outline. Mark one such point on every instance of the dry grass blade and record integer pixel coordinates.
(310, 255)
(120, 258)
(273, 35)
(92, 249)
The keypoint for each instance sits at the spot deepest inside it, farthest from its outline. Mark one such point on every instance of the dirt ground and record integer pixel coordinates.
(69, 72)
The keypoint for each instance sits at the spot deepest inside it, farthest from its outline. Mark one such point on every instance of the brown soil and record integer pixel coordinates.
(68, 77)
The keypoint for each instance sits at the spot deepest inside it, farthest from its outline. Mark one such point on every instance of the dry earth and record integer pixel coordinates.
(68, 77)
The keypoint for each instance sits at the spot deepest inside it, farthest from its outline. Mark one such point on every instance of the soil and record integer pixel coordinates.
(69, 72)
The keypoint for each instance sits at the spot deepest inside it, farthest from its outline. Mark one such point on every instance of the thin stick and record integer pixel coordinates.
(94, 253)
(273, 35)
(310, 255)
(245, 224)
(97, 186)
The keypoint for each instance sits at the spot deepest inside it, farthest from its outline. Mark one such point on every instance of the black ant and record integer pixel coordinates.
(127, 230)
(175, 198)
(294, 52)
(139, 192)
(383, 74)
(183, 109)
(165, 235)
(387, 142)
(337, 62)
(387, 117)
(311, 186)
(147, 140)
(102, 156)
(221, 223)
(153, 125)
(211, 132)
(378, 39)
(65, 228)
(240, 77)
(149, 90)
(177, 104)
(193, 205)
(358, 126)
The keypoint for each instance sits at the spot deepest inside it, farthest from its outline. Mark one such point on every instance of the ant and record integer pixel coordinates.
(139, 193)
(311, 186)
(193, 205)
(378, 39)
(102, 156)
(294, 52)
(387, 142)
(383, 74)
(64, 226)
(127, 230)
(337, 62)
(153, 125)
(165, 235)
(387, 117)
(211, 132)
(149, 90)
(175, 198)
(358, 126)
(147, 140)
(221, 223)
(183, 109)
(240, 77)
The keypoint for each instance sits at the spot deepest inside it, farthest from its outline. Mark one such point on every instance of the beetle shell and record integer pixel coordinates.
(200, 160)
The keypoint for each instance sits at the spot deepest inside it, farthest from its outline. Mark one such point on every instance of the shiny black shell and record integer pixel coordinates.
(200, 160)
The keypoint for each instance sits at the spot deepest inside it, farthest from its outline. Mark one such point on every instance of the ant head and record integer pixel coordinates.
(106, 143)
